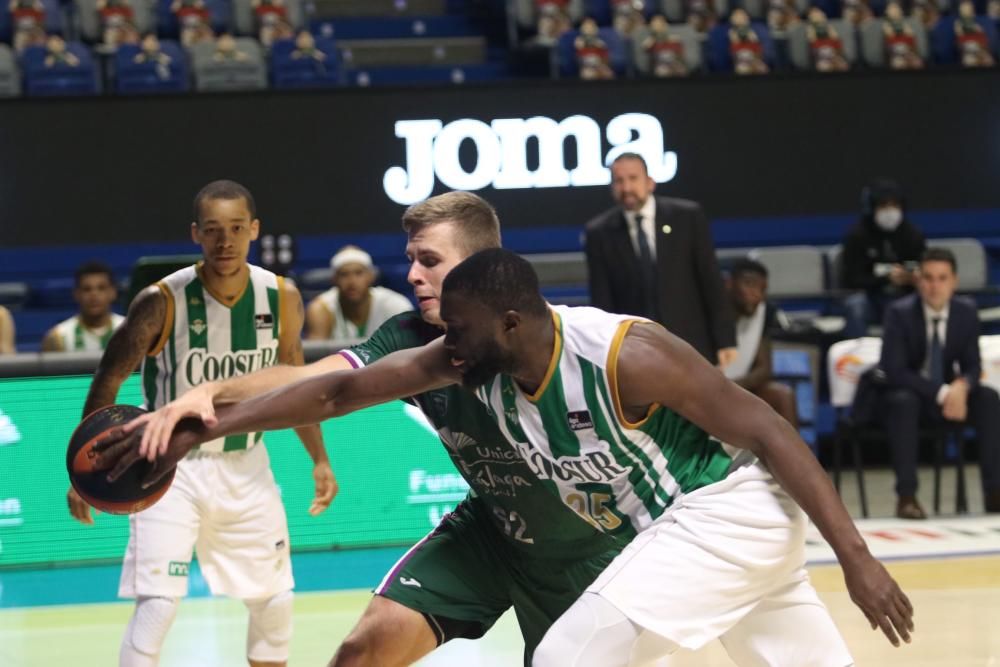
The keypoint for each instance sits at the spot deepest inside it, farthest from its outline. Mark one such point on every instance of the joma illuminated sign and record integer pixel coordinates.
(501, 148)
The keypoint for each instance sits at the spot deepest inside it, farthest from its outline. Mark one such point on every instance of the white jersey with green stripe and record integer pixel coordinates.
(204, 340)
(617, 475)
(73, 336)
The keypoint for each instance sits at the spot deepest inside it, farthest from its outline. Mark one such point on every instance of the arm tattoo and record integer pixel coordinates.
(127, 347)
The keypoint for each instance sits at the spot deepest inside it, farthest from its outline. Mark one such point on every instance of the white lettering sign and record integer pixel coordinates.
(501, 150)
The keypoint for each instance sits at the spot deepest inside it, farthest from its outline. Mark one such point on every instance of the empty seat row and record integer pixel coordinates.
(865, 44)
(304, 63)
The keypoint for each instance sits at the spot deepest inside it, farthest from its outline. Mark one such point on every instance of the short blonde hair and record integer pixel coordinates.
(474, 217)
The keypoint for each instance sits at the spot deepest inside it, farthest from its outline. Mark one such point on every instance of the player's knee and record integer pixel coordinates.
(147, 630)
(592, 632)
(388, 635)
(357, 650)
(270, 629)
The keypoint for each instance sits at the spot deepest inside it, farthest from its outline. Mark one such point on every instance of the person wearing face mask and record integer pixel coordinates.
(880, 255)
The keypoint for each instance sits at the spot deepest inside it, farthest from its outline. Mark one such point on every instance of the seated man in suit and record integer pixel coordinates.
(930, 355)
(654, 257)
(756, 319)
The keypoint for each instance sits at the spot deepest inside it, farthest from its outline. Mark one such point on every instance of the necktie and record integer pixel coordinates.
(646, 266)
(935, 367)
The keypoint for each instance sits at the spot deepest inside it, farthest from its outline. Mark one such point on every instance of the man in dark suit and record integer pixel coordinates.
(654, 257)
(930, 355)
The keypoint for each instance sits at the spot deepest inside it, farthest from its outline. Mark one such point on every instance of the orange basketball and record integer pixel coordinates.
(125, 495)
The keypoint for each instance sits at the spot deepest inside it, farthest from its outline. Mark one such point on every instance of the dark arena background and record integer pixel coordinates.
(339, 114)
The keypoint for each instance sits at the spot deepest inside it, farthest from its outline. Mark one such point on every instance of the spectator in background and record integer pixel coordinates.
(305, 48)
(552, 21)
(194, 20)
(227, 50)
(272, 21)
(117, 22)
(91, 328)
(756, 320)
(7, 336)
(664, 49)
(29, 23)
(353, 308)
(58, 53)
(654, 257)
(900, 42)
(152, 54)
(972, 41)
(930, 355)
(592, 55)
(880, 256)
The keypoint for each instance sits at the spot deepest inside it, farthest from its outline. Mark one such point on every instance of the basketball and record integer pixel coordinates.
(125, 495)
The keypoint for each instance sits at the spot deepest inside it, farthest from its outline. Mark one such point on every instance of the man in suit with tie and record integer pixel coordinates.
(930, 355)
(654, 257)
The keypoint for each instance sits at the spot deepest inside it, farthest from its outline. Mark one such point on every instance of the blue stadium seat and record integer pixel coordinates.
(53, 19)
(393, 28)
(830, 7)
(600, 10)
(603, 12)
(942, 38)
(246, 23)
(719, 57)
(30, 326)
(565, 52)
(88, 19)
(382, 76)
(40, 80)
(10, 73)
(147, 78)
(289, 72)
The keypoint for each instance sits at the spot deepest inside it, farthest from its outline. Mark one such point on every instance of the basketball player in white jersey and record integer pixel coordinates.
(353, 308)
(643, 439)
(91, 328)
(220, 318)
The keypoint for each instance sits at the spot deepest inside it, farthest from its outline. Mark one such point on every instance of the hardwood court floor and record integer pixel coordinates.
(956, 596)
(957, 604)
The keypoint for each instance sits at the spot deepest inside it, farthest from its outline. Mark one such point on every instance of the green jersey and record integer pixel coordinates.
(205, 340)
(73, 336)
(619, 476)
(502, 484)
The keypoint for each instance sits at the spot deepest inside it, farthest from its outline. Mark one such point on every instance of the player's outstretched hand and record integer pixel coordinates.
(884, 604)
(120, 450)
(160, 424)
(79, 508)
(326, 488)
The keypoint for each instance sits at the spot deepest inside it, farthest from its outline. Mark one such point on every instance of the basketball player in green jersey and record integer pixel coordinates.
(510, 543)
(219, 318)
(90, 329)
(705, 477)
